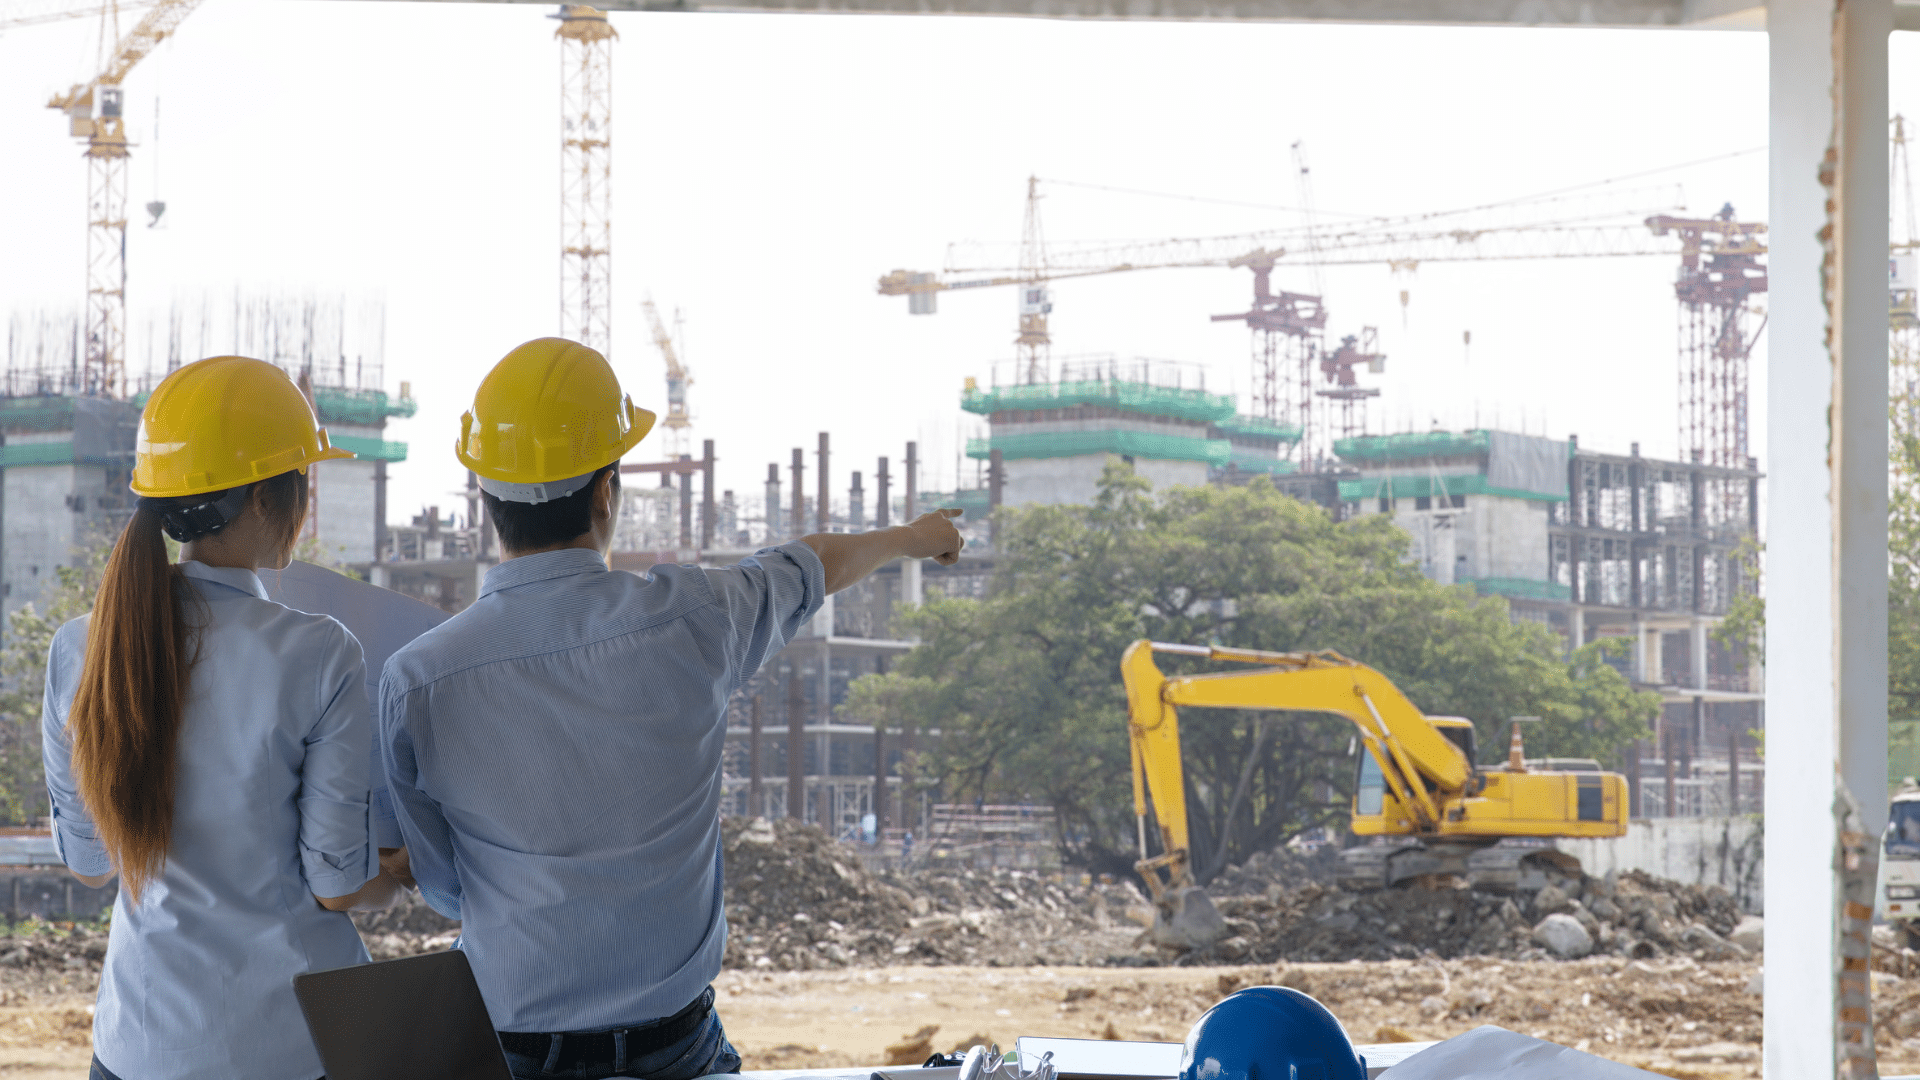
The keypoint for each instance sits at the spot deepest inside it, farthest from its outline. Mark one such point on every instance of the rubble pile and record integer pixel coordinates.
(408, 928)
(1631, 915)
(1281, 866)
(797, 901)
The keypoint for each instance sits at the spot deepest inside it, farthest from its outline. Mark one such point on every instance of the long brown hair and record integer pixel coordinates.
(127, 710)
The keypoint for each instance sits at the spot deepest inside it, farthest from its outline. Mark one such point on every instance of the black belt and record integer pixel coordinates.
(579, 1049)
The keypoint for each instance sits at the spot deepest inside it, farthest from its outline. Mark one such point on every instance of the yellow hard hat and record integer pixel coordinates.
(222, 422)
(549, 412)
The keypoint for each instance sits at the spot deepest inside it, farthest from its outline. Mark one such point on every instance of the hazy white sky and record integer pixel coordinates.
(768, 168)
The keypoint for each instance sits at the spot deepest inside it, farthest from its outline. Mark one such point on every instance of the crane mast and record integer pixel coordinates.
(677, 420)
(586, 175)
(95, 113)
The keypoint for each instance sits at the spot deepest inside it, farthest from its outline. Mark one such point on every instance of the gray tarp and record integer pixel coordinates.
(1527, 463)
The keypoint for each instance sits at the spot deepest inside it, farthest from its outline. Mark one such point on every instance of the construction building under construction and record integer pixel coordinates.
(67, 453)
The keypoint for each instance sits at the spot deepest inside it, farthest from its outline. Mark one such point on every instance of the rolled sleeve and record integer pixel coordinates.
(74, 835)
(768, 597)
(428, 838)
(336, 838)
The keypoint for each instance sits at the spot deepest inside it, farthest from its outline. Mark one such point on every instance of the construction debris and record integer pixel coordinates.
(797, 901)
(1632, 915)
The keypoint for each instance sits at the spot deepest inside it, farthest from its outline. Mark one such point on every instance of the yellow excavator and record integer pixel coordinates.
(1419, 781)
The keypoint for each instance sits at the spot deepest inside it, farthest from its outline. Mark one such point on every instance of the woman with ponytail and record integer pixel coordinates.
(211, 747)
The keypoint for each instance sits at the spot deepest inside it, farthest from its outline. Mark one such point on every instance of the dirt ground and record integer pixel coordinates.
(1678, 1018)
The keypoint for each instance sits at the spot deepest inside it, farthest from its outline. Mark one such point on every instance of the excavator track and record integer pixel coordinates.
(1509, 865)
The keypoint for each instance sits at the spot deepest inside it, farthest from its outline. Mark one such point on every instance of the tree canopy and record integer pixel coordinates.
(1024, 686)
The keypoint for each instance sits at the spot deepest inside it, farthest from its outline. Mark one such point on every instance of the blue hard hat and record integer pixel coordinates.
(1269, 1033)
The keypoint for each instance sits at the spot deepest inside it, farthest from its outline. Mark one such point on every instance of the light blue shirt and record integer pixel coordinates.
(554, 756)
(270, 809)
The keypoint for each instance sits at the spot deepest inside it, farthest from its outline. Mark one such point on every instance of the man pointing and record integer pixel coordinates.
(554, 750)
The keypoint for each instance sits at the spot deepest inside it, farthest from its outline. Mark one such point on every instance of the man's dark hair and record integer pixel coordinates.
(531, 526)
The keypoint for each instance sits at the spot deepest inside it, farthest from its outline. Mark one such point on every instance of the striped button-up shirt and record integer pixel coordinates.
(554, 757)
(270, 808)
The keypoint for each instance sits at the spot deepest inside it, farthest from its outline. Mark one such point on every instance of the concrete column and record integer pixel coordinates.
(773, 503)
(796, 744)
(1577, 626)
(756, 807)
(823, 509)
(911, 591)
(707, 520)
(1826, 514)
(1697, 653)
(798, 471)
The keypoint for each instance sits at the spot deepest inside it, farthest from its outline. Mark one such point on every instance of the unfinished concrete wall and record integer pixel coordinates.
(1723, 851)
(343, 517)
(1510, 538)
(53, 514)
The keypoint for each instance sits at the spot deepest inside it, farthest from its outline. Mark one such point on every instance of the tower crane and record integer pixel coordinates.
(103, 365)
(1605, 224)
(586, 175)
(31, 14)
(677, 420)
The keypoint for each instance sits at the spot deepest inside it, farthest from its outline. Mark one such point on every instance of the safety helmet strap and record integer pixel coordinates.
(185, 521)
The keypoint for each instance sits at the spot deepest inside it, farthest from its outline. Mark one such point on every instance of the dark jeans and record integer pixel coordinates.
(705, 1051)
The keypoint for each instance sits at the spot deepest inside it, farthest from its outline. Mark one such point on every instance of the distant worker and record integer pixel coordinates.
(554, 750)
(213, 747)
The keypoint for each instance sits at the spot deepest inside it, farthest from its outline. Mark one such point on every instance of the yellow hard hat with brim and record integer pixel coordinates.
(547, 416)
(221, 423)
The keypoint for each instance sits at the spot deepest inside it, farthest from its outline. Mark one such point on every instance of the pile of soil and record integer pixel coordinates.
(1631, 915)
(798, 901)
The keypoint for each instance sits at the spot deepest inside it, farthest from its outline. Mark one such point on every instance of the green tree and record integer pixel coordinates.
(1025, 687)
(23, 676)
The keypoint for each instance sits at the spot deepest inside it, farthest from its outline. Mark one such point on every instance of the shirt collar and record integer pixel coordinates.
(231, 576)
(542, 566)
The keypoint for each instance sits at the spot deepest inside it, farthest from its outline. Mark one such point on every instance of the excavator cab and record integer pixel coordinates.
(1370, 788)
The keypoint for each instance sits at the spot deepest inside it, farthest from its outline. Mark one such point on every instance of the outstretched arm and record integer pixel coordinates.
(848, 557)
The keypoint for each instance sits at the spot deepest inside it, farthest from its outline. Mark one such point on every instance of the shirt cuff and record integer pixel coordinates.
(82, 852)
(812, 569)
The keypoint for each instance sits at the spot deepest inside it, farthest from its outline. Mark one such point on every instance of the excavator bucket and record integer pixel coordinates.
(1186, 919)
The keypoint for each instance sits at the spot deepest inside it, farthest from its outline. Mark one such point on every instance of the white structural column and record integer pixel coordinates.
(1826, 671)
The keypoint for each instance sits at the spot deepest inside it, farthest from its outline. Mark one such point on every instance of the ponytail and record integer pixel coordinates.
(127, 711)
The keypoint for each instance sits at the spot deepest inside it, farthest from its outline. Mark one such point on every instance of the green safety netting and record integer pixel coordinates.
(1255, 425)
(1518, 588)
(50, 413)
(1415, 487)
(336, 405)
(1144, 444)
(1412, 445)
(366, 449)
(48, 453)
(1262, 463)
(1112, 393)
